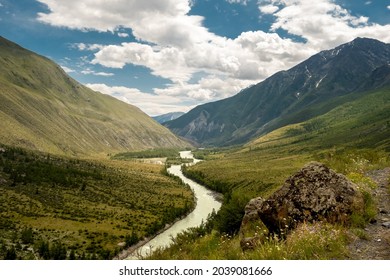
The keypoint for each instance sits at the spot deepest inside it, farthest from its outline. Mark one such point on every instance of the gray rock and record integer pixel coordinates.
(252, 230)
(386, 224)
(251, 209)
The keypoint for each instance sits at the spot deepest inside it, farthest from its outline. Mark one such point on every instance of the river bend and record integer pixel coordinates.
(206, 203)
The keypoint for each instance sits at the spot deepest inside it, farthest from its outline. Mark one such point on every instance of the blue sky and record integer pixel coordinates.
(171, 55)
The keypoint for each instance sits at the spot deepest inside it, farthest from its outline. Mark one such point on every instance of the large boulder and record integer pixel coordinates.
(315, 193)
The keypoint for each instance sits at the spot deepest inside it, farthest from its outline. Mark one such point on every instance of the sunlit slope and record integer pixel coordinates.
(361, 123)
(43, 108)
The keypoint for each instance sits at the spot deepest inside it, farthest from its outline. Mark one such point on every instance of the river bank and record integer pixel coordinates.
(206, 202)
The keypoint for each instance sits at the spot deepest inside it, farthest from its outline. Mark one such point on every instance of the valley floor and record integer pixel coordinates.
(376, 242)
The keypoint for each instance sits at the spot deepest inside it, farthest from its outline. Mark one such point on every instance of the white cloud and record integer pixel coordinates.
(388, 7)
(175, 45)
(123, 35)
(268, 9)
(166, 62)
(155, 21)
(324, 24)
(243, 2)
(151, 104)
(87, 47)
(207, 88)
(67, 69)
(92, 72)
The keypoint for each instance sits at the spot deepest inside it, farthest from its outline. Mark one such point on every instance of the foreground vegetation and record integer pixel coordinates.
(265, 172)
(351, 139)
(56, 208)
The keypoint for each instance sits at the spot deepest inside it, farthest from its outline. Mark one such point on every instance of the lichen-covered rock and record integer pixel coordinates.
(314, 193)
(252, 230)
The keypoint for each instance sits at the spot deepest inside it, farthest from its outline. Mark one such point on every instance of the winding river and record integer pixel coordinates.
(206, 202)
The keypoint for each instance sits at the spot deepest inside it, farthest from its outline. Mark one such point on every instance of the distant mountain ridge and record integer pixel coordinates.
(289, 96)
(42, 108)
(168, 117)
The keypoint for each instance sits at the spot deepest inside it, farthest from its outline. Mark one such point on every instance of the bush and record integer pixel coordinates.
(229, 217)
(58, 251)
(10, 254)
(27, 236)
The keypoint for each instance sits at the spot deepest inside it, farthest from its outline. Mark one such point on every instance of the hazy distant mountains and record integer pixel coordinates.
(309, 89)
(42, 108)
(168, 117)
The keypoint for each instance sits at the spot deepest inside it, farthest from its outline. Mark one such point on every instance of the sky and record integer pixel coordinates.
(172, 55)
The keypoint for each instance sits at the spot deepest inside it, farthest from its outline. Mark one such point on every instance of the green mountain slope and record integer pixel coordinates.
(43, 108)
(360, 123)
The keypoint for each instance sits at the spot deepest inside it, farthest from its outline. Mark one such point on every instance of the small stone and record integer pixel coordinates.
(358, 251)
(386, 224)
(379, 240)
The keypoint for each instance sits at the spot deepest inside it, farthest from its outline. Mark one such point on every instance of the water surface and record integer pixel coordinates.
(206, 202)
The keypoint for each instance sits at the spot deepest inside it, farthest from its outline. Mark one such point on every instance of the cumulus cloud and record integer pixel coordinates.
(67, 69)
(92, 72)
(155, 21)
(175, 45)
(123, 35)
(243, 2)
(151, 104)
(207, 88)
(323, 23)
(87, 47)
(268, 9)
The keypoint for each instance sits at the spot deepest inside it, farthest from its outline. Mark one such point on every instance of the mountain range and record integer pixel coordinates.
(168, 117)
(310, 89)
(42, 108)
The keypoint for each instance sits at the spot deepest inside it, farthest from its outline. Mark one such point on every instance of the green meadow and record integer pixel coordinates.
(54, 207)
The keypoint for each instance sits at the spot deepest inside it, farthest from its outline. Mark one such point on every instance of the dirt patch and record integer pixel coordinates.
(160, 161)
(375, 242)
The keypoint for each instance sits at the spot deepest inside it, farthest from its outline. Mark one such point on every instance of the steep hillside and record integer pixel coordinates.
(361, 123)
(42, 108)
(292, 96)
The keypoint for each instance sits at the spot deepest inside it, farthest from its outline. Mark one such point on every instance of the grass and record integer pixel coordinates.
(152, 153)
(307, 242)
(91, 206)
